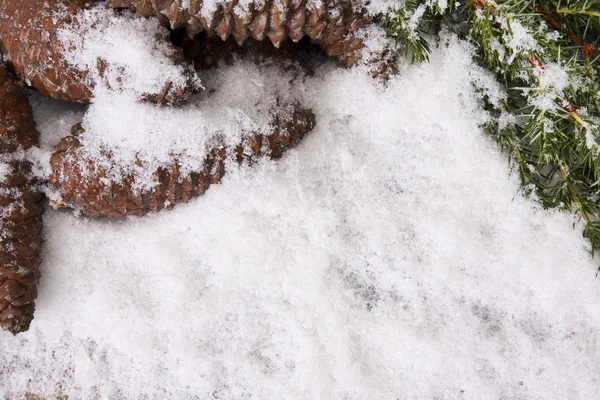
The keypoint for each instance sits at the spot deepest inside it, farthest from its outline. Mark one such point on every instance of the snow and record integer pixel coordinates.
(5, 170)
(389, 256)
(380, 6)
(517, 38)
(553, 80)
(415, 20)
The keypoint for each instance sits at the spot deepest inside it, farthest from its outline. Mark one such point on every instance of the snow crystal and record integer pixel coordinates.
(209, 8)
(415, 20)
(5, 171)
(552, 80)
(381, 6)
(242, 8)
(442, 5)
(389, 256)
(517, 38)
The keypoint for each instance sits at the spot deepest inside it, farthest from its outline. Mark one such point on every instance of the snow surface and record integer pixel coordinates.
(390, 256)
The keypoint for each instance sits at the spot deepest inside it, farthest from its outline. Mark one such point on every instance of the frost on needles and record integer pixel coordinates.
(545, 54)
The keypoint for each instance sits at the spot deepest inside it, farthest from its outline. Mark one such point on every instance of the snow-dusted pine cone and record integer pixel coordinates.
(20, 210)
(81, 181)
(34, 51)
(341, 27)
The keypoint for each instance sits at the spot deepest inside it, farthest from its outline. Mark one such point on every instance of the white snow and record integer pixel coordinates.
(380, 6)
(517, 38)
(553, 80)
(389, 256)
(415, 20)
(5, 170)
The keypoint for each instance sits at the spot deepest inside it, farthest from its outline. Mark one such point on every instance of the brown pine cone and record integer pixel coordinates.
(337, 25)
(20, 210)
(81, 181)
(33, 51)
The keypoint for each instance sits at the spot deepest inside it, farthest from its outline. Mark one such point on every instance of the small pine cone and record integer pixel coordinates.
(337, 25)
(34, 52)
(81, 182)
(20, 210)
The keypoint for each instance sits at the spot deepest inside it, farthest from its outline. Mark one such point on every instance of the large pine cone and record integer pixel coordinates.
(20, 210)
(81, 181)
(33, 51)
(338, 26)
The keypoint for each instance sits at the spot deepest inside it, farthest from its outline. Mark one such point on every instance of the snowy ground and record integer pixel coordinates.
(389, 256)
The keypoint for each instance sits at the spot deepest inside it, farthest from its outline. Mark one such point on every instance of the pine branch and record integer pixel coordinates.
(407, 25)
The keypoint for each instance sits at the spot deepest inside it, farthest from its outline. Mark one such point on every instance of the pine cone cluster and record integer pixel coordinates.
(32, 50)
(338, 26)
(20, 210)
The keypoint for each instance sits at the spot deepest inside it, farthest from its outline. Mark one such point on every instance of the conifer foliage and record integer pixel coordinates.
(546, 56)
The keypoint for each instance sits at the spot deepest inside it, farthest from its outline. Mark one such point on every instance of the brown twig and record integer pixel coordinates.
(589, 49)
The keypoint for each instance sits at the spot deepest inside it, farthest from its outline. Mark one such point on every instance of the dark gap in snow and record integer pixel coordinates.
(207, 52)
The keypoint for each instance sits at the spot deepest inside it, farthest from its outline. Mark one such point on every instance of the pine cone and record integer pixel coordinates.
(339, 27)
(33, 51)
(81, 182)
(20, 210)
